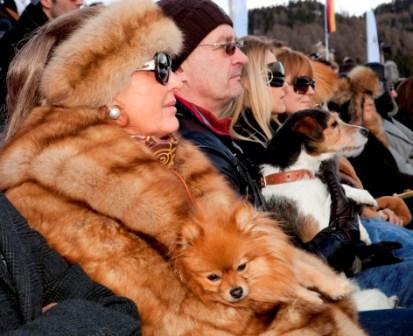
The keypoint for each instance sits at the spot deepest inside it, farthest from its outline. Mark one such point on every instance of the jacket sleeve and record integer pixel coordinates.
(79, 317)
(62, 280)
(68, 286)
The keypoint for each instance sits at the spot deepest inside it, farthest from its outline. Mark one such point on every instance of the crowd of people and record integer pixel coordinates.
(122, 124)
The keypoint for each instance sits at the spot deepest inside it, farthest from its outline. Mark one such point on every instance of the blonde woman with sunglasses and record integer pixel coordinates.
(254, 114)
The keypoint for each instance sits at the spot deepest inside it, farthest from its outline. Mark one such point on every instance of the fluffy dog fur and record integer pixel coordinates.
(305, 140)
(241, 259)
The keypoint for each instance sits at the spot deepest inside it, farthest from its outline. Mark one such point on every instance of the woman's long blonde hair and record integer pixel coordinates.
(256, 96)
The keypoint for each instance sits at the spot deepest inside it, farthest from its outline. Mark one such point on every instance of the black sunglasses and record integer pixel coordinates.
(275, 76)
(161, 65)
(229, 47)
(301, 84)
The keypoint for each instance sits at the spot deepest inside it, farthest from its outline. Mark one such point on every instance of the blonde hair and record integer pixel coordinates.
(256, 95)
(295, 63)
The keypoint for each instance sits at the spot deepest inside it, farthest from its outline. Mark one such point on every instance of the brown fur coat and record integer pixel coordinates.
(86, 186)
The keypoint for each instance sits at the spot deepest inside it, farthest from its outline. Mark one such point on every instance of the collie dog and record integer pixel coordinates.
(289, 170)
(243, 259)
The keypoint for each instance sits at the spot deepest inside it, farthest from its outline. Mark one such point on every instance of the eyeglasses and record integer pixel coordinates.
(301, 84)
(229, 47)
(161, 64)
(275, 75)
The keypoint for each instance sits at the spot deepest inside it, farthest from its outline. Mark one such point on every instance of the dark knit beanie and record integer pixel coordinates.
(196, 19)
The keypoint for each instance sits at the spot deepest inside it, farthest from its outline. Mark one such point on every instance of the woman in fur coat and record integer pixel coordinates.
(90, 162)
(375, 166)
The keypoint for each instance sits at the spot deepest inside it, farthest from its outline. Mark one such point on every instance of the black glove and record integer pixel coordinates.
(335, 247)
(344, 212)
(377, 254)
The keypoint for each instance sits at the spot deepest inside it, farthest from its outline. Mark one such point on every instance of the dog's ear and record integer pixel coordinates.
(189, 233)
(245, 217)
(309, 127)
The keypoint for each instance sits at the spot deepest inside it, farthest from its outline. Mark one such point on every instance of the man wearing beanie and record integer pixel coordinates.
(210, 67)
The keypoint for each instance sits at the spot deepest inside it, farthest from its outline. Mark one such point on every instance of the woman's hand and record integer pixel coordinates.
(48, 307)
(390, 216)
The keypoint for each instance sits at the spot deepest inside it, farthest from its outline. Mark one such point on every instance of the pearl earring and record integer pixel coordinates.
(114, 112)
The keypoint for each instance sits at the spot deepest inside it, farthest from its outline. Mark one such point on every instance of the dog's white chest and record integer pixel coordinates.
(311, 197)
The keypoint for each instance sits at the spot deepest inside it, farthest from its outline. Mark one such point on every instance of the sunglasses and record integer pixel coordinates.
(229, 47)
(301, 84)
(275, 75)
(161, 64)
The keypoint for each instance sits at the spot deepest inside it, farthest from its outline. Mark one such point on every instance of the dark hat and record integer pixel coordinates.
(378, 68)
(196, 19)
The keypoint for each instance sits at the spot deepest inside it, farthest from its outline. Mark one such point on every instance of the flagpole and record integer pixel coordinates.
(326, 33)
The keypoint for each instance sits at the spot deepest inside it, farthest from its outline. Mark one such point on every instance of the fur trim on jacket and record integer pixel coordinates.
(97, 61)
(360, 82)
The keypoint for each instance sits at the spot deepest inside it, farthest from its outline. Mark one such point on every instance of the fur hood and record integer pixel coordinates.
(326, 82)
(359, 80)
(97, 61)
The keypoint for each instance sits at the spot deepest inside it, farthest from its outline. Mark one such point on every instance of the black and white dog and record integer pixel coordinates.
(289, 170)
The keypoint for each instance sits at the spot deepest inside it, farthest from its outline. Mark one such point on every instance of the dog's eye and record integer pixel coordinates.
(213, 277)
(334, 124)
(241, 267)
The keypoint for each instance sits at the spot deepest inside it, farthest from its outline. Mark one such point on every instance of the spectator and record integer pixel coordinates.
(400, 137)
(8, 16)
(405, 102)
(36, 14)
(376, 165)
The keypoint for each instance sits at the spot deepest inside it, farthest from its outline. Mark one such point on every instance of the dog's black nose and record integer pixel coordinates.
(364, 131)
(236, 292)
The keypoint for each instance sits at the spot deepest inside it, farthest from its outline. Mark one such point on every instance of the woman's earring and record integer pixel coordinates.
(114, 112)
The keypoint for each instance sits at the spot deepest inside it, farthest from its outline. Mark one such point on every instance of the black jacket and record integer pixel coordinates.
(226, 156)
(376, 166)
(32, 275)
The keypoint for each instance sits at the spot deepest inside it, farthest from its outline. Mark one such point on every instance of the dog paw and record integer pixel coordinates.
(309, 296)
(344, 289)
(360, 196)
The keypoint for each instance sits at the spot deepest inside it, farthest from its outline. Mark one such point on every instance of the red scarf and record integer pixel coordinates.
(218, 126)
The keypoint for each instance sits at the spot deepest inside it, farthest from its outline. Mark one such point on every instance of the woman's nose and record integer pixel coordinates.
(175, 82)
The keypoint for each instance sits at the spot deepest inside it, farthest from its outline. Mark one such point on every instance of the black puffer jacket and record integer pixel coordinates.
(226, 156)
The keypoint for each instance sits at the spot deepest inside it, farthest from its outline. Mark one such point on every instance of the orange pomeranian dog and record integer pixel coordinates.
(243, 259)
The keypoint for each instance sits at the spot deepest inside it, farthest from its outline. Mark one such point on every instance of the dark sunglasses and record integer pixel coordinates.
(275, 76)
(229, 47)
(161, 65)
(301, 84)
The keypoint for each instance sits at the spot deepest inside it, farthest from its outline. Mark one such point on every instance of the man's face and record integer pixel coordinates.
(209, 73)
(55, 8)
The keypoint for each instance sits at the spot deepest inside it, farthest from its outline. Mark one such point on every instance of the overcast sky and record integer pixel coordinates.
(352, 7)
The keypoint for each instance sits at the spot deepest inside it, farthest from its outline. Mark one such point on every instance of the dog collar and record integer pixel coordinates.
(285, 177)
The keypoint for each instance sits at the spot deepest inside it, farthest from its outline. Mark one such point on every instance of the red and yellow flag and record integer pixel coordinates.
(331, 16)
